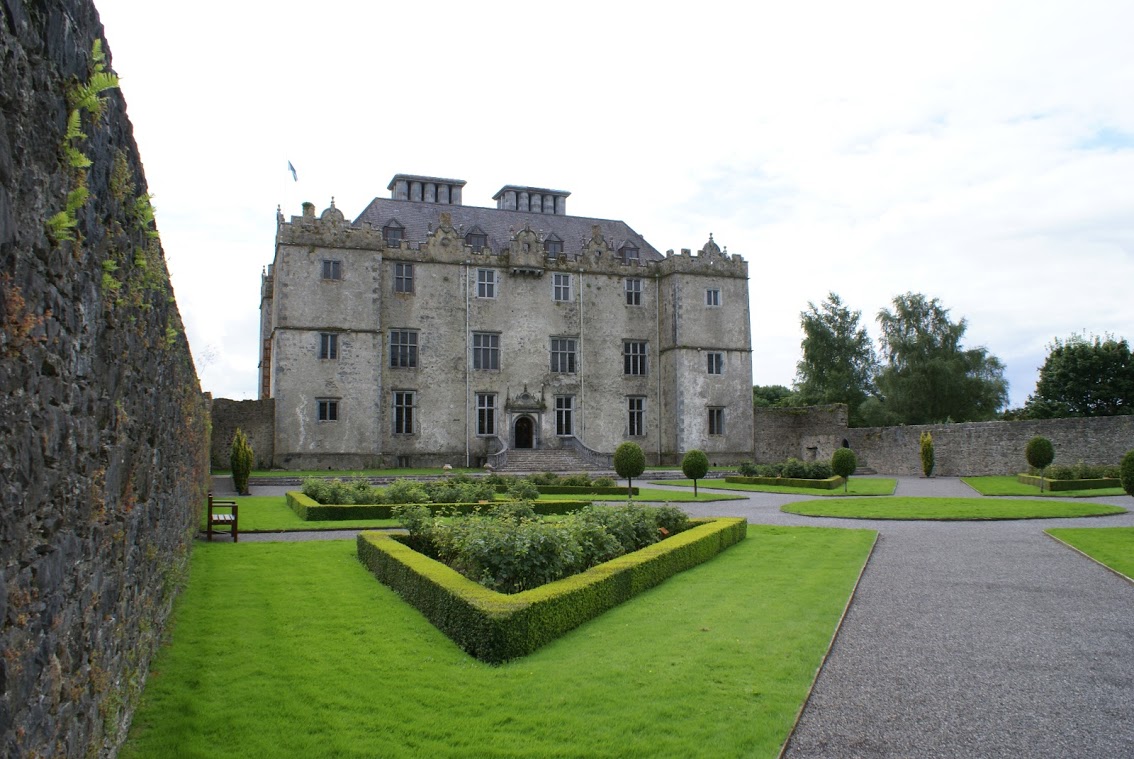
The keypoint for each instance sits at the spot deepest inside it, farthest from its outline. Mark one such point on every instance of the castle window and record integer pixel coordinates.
(563, 355)
(332, 269)
(716, 363)
(486, 350)
(716, 421)
(486, 413)
(403, 349)
(634, 357)
(628, 252)
(636, 416)
(553, 246)
(712, 297)
(633, 291)
(561, 287)
(564, 415)
(477, 239)
(328, 345)
(403, 412)
(486, 283)
(393, 233)
(403, 278)
(328, 409)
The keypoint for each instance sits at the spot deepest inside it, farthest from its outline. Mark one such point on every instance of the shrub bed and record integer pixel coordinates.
(792, 469)
(495, 627)
(310, 510)
(1057, 485)
(829, 483)
(584, 489)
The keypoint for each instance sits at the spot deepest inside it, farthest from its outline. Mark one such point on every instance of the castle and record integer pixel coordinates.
(428, 332)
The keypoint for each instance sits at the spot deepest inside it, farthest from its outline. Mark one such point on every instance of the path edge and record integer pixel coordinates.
(1110, 569)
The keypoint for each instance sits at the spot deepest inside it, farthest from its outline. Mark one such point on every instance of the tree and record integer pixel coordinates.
(772, 396)
(928, 376)
(838, 364)
(1084, 377)
(629, 462)
(1040, 453)
(1126, 473)
(843, 463)
(241, 458)
(695, 465)
(927, 462)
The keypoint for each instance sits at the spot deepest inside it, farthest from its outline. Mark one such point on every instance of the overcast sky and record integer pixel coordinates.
(978, 152)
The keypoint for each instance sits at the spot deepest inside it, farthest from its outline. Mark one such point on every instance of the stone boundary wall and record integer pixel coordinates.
(256, 418)
(102, 422)
(971, 448)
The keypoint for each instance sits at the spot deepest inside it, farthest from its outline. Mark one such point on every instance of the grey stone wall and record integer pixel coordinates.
(255, 418)
(972, 448)
(102, 424)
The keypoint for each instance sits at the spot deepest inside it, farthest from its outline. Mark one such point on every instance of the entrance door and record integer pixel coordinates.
(524, 432)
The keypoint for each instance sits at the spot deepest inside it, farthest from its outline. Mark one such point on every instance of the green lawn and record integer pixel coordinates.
(294, 650)
(271, 514)
(857, 486)
(1112, 546)
(946, 508)
(1009, 485)
(647, 494)
(347, 472)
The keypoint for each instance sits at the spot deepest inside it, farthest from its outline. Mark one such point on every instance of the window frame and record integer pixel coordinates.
(635, 358)
(403, 277)
(716, 420)
(486, 289)
(403, 407)
(332, 269)
(327, 409)
(632, 286)
(485, 353)
(567, 351)
(403, 354)
(713, 297)
(478, 241)
(635, 416)
(715, 362)
(564, 416)
(553, 247)
(561, 283)
(486, 407)
(328, 346)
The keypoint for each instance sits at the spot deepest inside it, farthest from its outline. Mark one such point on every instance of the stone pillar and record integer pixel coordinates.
(415, 191)
(430, 192)
(536, 203)
(455, 196)
(522, 202)
(561, 205)
(443, 194)
(401, 190)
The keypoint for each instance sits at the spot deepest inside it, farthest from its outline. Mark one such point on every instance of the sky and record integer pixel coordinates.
(977, 152)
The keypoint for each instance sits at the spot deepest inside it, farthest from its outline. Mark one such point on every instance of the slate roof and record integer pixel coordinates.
(500, 225)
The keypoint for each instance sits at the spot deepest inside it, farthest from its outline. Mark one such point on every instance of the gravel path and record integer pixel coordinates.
(964, 639)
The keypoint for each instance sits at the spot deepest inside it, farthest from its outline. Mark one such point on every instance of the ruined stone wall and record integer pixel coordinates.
(102, 423)
(972, 448)
(256, 418)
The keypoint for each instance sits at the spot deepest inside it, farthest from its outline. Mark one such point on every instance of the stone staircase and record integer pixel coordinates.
(546, 460)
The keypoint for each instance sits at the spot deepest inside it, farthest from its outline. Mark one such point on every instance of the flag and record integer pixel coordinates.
(291, 168)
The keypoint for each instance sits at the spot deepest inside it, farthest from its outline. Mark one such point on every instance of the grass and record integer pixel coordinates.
(856, 485)
(652, 495)
(1112, 546)
(294, 650)
(946, 509)
(1009, 485)
(271, 514)
(348, 472)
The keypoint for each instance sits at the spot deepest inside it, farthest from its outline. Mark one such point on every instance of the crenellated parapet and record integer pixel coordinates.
(328, 230)
(710, 260)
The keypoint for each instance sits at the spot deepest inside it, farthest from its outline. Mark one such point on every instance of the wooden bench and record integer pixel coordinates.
(227, 519)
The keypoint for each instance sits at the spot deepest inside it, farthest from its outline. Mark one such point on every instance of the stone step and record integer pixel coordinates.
(549, 460)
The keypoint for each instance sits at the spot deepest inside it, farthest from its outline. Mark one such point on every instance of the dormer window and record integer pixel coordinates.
(393, 233)
(628, 252)
(553, 245)
(476, 239)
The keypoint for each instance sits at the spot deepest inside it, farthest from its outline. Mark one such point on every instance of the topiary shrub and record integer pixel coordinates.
(1126, 473)
(795, 469)
(629, 462)
(1039, 453)
(926, 446)
(843, 463)
(695, 465)
(818, 470)
(241, 459)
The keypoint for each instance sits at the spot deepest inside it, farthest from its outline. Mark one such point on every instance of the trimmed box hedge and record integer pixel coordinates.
(1058, 485)
(495, 627)
(790, 482)
(310, 510)
(574, 489)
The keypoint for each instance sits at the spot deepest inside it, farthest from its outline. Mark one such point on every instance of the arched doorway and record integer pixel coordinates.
(524, 432)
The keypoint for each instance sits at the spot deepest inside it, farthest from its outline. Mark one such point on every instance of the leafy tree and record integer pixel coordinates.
(772, 396)
(629, 462)
(843, 463)
(1126, 473)
(1084, 377)
(928, 376)
(838, 364)
(1040, 453)
(927, 459)
(695, 465)
(241, 458)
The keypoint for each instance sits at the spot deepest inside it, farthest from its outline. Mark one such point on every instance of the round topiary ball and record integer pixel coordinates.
(1039, 452)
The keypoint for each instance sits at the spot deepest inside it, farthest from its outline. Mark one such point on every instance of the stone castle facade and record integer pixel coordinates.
(427, 332)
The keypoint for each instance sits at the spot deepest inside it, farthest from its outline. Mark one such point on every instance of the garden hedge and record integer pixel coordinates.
(790, 482)
(495, 627)
(310, 510)
(1056, 485)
